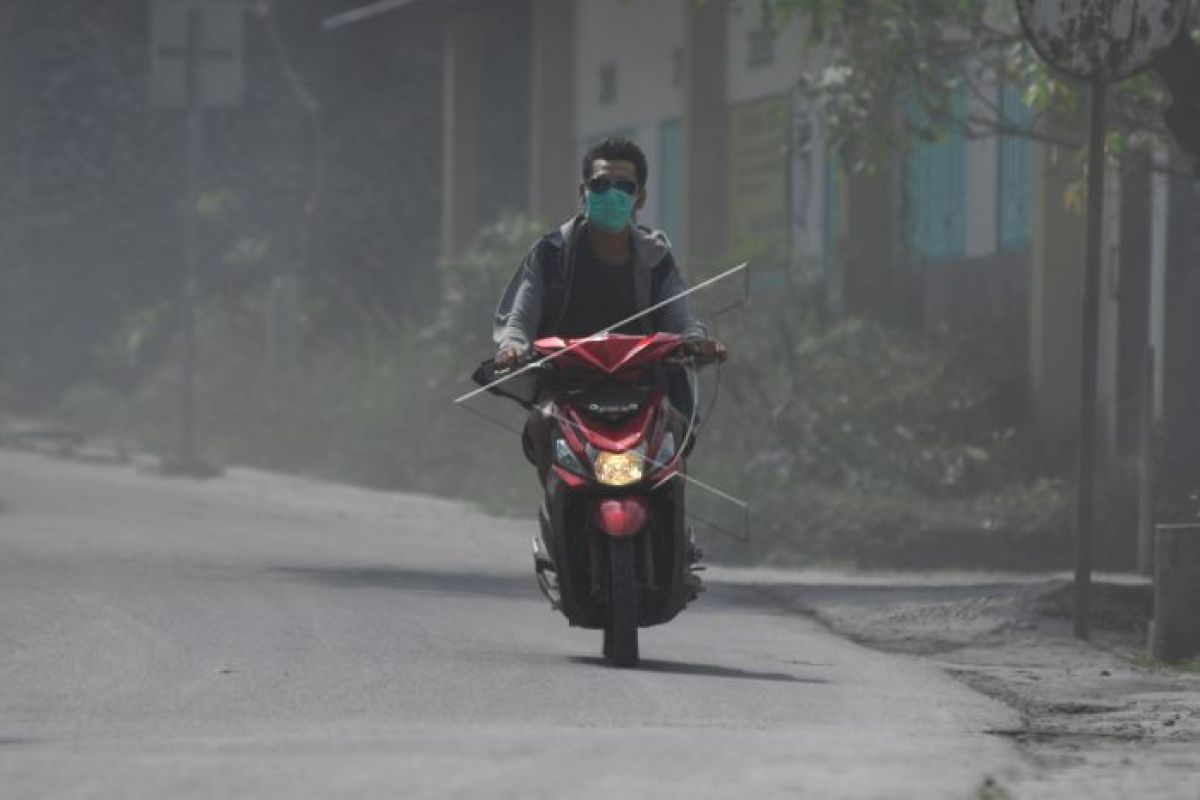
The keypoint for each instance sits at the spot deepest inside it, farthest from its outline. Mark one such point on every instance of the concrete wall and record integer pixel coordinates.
(462, 74)
(506, 114)
(553, 165)
(1110, 271)
(1181, 356)
(486, 116)
(749, 81)
(1056, 301)
(705, 140)
(983, 187)
(1159, 216)
(639, 47)
(641, 39)
(1056, 286)
(673, 47)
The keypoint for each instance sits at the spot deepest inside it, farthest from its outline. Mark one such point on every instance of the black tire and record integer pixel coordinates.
(621, 632)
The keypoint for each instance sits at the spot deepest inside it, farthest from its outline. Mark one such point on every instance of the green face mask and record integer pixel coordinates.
(609, 211)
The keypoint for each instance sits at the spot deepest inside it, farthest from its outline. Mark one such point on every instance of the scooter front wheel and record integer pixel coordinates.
(621, 628)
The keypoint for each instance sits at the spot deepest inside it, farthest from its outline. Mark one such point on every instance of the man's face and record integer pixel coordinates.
(617, 171)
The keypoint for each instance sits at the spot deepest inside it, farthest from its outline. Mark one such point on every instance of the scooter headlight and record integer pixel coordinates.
(619, 469)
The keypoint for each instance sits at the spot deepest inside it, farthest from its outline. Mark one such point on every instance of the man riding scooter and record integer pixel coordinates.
(598, 269)
(603, 305)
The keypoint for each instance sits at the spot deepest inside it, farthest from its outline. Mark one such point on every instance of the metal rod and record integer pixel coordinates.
(362, 13)
(1085, 486)
(534, 364)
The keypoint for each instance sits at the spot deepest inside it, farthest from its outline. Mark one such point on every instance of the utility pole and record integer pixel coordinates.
(1086, 466)
(195, 63)
(1099, 41)
(21, 207)
(191, 224)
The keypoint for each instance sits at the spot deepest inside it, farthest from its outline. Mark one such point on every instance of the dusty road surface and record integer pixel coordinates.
(258, 636)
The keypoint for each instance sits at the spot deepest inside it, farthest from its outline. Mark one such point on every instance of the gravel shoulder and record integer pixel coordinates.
(1097, 718)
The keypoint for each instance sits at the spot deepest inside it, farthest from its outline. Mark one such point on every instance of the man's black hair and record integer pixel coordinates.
(617, 148)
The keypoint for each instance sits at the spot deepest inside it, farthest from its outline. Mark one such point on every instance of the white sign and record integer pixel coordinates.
(219, 39)
(1101, 39)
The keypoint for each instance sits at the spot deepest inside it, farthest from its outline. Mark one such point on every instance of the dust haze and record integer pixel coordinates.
(267, 241)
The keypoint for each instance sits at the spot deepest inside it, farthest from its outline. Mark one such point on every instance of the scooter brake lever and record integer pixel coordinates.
(523, 364)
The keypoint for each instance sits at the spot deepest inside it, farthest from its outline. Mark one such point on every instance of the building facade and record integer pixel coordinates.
(958, 233)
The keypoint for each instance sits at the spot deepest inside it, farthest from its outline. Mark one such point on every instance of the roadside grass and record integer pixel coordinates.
(1145, 661)
(992, 790)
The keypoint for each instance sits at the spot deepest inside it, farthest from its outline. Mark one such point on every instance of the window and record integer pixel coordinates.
(936, 188)
(608, 84)
(762, 48)
(1015, 172)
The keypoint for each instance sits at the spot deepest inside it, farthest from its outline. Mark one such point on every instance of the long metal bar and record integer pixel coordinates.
(661, 464)
(1086, 470)
(362, 13)
(534, 365)
(742, 505)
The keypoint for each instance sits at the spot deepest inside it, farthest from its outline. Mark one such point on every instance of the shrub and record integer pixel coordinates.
(854, 442)
(861, 443)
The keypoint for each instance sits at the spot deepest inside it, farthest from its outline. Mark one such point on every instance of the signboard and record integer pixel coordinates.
(1101, 39)
(218, 58)
(759, 174)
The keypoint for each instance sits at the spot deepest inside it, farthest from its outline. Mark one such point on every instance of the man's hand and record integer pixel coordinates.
(707, 351)
(509, 357)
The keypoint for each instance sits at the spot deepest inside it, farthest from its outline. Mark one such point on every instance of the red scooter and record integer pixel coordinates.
(615, 552)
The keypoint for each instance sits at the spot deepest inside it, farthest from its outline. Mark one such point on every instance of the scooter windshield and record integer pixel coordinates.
(577, 360)
(609, 353)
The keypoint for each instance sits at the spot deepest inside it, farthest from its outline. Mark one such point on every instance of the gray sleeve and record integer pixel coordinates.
(677, 316)
(520, 309)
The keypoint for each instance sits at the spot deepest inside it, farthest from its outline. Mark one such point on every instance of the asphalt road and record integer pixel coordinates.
(261, 636)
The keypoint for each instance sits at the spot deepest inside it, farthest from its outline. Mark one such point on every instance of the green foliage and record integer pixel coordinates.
(374, 408)
(1178, 495)
(864, 444)
(471, 284)
(928, 50)
(853, 442)
(96, 407)
(1147, 662)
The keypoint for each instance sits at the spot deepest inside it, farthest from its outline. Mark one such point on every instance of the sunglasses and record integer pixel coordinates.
(602, 185)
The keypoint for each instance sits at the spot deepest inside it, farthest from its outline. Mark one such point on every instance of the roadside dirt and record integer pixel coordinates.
(1099, 720)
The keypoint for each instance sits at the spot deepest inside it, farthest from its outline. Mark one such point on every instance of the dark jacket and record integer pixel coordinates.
(536, 299)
